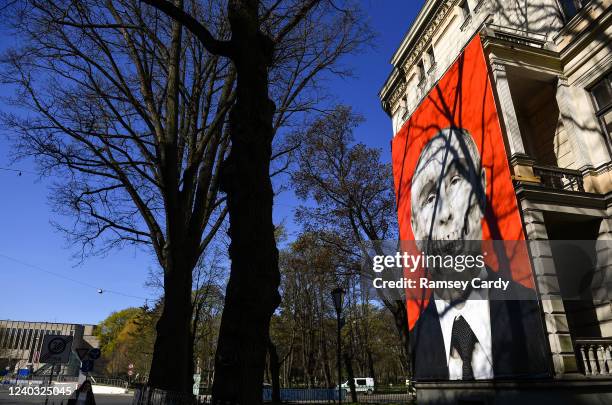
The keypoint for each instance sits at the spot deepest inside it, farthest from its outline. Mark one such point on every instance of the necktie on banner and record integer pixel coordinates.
(464, 340)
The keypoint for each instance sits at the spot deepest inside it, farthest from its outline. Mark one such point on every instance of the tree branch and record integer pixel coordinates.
(213, 45)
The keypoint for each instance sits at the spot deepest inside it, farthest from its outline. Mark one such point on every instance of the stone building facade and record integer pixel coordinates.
(21, 344)
(550, 65)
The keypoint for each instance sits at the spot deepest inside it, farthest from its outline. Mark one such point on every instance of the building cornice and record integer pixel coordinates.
(537, 193)
(420, 35)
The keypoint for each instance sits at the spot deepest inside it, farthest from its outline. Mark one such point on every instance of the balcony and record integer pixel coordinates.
(594, 356)
(549, 177)
(558, 178)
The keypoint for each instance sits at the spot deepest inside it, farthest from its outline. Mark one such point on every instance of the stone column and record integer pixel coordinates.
(568, 117)
(602, 279)
(545, 275)
(519, 160)
(510, 120)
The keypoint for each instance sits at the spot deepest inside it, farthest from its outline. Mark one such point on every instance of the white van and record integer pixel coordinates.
(362, 384)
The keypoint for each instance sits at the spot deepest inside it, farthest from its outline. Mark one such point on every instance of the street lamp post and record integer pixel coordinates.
(337, 295)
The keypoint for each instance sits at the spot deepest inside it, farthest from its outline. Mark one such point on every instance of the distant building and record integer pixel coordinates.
(21, 341)
(549, 63)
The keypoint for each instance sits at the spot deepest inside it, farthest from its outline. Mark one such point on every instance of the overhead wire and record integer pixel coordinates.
(80, 282)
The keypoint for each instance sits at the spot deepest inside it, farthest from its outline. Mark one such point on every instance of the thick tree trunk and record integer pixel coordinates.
(252, 292)
(275, 372)
(400, 317)
(172, 363)
(351, 376)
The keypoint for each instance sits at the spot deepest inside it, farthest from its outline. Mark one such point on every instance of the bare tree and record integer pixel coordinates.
(304, 327)
(350, 184)
(144, 123)
(257, 32)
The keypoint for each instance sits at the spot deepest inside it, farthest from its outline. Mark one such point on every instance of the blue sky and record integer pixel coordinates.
(30, 247)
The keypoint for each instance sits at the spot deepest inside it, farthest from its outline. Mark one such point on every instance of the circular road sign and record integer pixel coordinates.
(56, 345)
(87, 366)
(94, 354)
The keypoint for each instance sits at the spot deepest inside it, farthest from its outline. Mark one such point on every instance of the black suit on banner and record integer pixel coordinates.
(517, 337)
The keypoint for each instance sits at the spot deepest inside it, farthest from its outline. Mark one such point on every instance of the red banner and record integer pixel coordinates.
(462, 102)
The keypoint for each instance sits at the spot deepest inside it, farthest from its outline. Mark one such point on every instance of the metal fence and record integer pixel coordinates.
(145, 395)
(330, 396)
(151, 396)
(113, 382)
(399, 396)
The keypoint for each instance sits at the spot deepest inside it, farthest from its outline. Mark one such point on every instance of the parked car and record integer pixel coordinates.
(362, 384)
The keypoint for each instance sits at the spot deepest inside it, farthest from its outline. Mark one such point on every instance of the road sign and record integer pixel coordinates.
(197, 378)
(130, 372)
(87, 366)
(94, 353)
(131, 366)
(56, 349)
(82, 352)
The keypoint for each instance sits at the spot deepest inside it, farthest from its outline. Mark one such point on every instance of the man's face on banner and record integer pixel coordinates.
(448, 193)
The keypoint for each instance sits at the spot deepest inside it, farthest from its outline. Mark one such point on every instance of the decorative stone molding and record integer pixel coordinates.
(440, 15)
(466, 23)
(479, 6)
(398, 93)
(521, 159)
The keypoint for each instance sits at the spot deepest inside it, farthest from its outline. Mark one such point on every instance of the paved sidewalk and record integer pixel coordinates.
(6, 399)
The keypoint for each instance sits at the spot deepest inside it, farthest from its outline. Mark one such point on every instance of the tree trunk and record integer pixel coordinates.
(351, 376)
(370, 358)
(275, 372)
(400, 317)
(252, 291)
(326, 366)
(172, 363)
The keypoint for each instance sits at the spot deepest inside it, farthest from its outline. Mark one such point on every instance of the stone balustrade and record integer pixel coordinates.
(595, 356)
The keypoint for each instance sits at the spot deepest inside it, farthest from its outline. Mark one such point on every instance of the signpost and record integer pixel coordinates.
(56, 349)
(87, 365)
(82, 353)
(130, 371)
(87, 356)
(94, 353)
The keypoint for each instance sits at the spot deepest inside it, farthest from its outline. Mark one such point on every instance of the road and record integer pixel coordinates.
(6, 399)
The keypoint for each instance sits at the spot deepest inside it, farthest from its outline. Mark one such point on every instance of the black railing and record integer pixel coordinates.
(145, 395)
(385, 395)
(558, 178)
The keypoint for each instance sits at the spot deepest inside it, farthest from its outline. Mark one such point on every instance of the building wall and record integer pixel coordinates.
(543, 66)
(571, 56)
(452, 33)
(21, 341)
(586, 55)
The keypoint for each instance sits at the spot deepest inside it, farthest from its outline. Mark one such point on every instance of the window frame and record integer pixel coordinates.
(421, 72)
(466, 12)
(602, 111)
(431, 57)
(465, 9)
